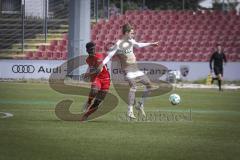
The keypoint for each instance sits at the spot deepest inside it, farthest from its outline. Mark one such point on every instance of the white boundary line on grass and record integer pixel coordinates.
(6, 115)
(205, 86)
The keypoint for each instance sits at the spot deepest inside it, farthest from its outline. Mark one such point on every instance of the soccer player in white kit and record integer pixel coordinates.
(124, 49)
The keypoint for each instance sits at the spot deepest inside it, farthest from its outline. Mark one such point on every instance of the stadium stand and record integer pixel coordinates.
(56, 50)
(183, 35)
(29, 28)
(11, 35)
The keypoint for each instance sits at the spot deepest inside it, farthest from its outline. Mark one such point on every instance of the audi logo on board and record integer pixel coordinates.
(23, 69)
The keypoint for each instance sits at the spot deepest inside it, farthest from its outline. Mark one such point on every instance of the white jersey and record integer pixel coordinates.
(124, 49)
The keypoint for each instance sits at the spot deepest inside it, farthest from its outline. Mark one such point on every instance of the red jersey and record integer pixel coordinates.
(94, 62)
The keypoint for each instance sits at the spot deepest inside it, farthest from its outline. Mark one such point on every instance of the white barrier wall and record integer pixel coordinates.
(37, 69)
(200, 70)
(29, 69)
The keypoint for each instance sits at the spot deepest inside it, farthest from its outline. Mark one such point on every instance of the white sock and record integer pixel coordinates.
(130, 108)
(144, 96)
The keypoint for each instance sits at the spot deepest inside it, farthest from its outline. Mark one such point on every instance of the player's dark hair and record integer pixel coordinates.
(126, 28)
(90, 47)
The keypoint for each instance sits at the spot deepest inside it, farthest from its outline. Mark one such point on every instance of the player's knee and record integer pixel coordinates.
(96, 103)
(101, 95)
(89, 101)
(133, 88)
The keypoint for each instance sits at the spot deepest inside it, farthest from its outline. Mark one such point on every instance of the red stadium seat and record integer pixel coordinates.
(56, 56)
(54, 43)
(48, 55)
(51, 48)
(64, 55)
(42, 48)
(196, 33)
(38, 55)
(65, 36)
(29, 55)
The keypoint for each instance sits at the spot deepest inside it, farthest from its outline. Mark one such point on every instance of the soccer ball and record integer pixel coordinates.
(174, 99)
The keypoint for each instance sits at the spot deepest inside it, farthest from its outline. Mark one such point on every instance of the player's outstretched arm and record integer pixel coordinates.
(210, 62)
(140, 45)
(111, 53)
(224, 58)
(155, 43)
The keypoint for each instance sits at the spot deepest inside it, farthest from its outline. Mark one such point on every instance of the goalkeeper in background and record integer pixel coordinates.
(217, 58)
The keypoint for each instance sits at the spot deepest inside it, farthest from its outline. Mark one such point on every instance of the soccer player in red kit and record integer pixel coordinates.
(100, 80)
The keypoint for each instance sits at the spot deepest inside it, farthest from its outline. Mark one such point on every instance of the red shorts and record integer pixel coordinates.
(101, 84)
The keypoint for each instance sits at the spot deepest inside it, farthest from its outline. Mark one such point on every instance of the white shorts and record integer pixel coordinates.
(135, 74)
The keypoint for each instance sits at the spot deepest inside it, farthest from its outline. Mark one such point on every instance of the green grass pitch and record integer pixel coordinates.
(212, 130)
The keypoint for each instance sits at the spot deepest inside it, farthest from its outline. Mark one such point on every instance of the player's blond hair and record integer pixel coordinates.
(126, 28)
